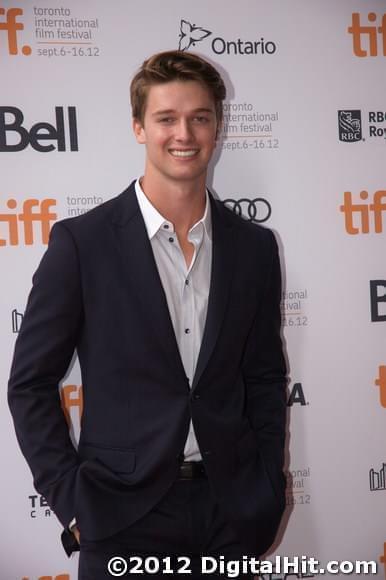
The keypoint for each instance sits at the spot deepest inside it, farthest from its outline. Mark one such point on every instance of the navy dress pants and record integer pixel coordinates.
(184, 536)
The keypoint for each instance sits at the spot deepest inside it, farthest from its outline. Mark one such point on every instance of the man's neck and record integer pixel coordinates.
(183, 204)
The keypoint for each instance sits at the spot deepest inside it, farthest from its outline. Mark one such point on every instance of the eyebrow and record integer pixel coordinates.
(169, 111)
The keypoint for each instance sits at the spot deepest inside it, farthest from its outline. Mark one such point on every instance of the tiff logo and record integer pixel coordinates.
(377, 297)
(11, 125)
(34, 211)
(17, 319)
(378, 478)
(380, 382)
(362, 212)
(71, 397)
(382, 557)
(370, 33)
(11, 27)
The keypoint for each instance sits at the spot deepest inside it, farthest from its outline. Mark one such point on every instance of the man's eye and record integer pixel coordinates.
(201, 119)
(166, 120)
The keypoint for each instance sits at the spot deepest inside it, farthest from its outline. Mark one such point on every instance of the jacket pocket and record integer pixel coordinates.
(248, 451)
(120, 460)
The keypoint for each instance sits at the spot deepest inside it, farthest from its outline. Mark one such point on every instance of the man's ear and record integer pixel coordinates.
(139, 131)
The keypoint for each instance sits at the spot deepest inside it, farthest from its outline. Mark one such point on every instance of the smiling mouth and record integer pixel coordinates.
(183, 153)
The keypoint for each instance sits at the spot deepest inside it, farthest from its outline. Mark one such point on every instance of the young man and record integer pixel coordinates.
(172, 303)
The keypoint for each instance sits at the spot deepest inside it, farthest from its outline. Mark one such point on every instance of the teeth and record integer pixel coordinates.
(178, 153)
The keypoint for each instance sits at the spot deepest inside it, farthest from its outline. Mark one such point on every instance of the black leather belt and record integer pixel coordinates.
(192, 470)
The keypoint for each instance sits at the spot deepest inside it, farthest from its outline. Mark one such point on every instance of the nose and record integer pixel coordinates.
(183, 130)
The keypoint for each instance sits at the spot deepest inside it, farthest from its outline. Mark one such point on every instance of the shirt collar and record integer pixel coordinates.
(154, 221)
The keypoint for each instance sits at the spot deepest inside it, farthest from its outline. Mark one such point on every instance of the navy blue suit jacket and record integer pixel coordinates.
(97, 290)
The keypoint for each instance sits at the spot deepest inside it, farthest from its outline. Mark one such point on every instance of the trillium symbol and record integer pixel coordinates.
(190, 34)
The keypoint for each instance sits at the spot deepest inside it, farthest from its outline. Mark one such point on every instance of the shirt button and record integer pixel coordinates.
(166, 226)
(187, 330)
(171, 239)
(187, 282)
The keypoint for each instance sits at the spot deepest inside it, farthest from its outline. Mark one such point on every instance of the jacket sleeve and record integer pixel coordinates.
(264, 371)
(43, 352)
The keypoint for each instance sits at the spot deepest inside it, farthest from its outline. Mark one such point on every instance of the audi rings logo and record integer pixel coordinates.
(256, 210)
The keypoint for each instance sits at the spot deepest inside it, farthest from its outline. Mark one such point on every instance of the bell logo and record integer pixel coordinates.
(34, 211)
(380, 382)
(378, 298)
(370, 32)
(11, 27)
(71, 397)
(362, 211)
(11, 123)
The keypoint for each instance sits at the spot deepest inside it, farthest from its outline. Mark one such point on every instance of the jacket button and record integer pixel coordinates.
(196, 397)
(207, 453)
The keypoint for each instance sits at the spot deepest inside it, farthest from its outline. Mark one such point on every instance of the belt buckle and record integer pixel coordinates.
(191, 470)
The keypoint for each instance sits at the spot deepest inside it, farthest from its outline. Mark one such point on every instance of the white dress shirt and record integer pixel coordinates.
(186, 288)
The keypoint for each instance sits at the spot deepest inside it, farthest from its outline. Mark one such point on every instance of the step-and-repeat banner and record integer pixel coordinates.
(303, 152)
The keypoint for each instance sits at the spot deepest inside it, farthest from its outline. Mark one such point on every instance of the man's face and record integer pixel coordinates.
(179, 130)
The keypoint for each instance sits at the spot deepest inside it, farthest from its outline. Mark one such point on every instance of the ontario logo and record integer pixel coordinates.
(350, 126)
(191, 34)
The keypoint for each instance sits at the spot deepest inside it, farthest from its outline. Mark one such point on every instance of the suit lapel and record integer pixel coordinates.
(223, 253)
(142, 273)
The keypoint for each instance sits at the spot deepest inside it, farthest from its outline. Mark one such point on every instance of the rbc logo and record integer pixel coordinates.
(11, 123)
(11, 27)
(350, 126)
